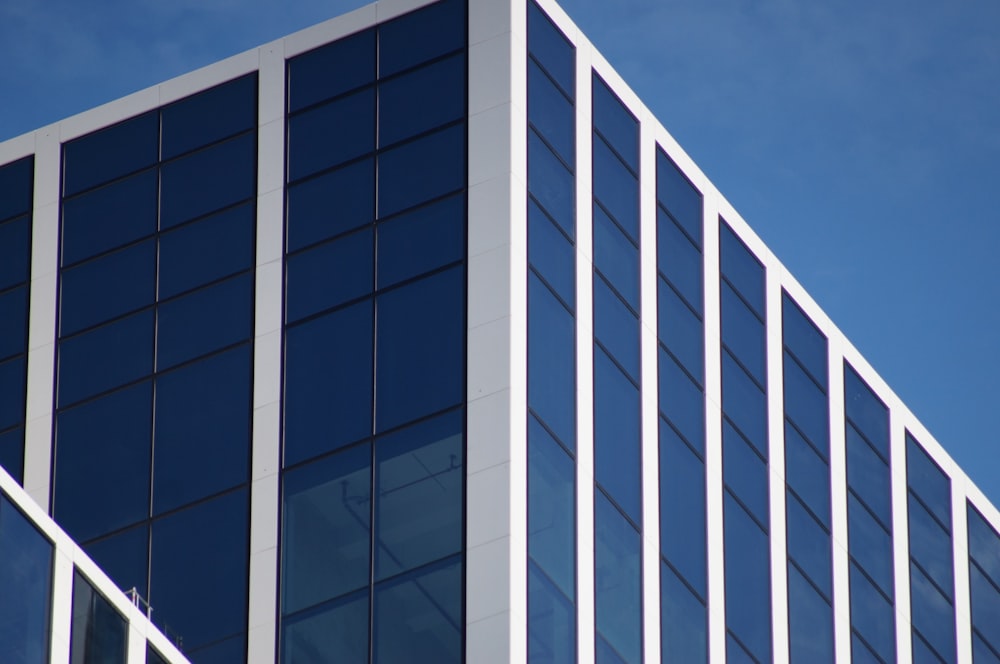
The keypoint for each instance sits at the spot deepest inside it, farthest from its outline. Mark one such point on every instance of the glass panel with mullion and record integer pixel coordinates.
(744, 403)
(868, 476)
(616, 257)
(551, 362)
(421, 100)
(807, 474)
(741, 268)
(618, 580)
(110, 153)
(420, 36)
(551, 508)
(331, 70)
(681, 400)
(217, 113)
(551, 184)
(810, 622)
(682, 508)
(12, 384)
(15, 187)
(15, 251)
(930, 545)
(809, 546)
(616, 327)
(743, 333)
(683, 628)
(676, 193)
(872, 615)
(12, 453)
(679, 260)
(617, 435)
(420, 241)
(925, 478)
(616, 188)
(550, 112)
(331, 134)
(804, 340)
(932, 615)
(551, 254)
(338, 626)
(551, 48)
(124, 557)
(747, 579)
(866, 411)
(551, 621)
(985, 605)
(616, 123)
(329, 275)
(421, 170)
(806, 404)
(26, 579)
(98, 633)
(870, 544)
(745, 473)
(680, 329)
(330, 204)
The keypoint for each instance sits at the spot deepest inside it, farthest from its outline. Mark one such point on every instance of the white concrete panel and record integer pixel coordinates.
(486, 272)
(109, 114)
(271, 165)
(489, 358)
(488, 568)
(960, 556)
(490, 426)
(492, 59)
(492, 156)
(210, 76)
(270, 222)
(267, 370)
(263, 588)
(62, 606)
(266, 432)
(15, 148)
(490, 634)
(488, 20)
(900, 537)
(838, 504)
(387, 10)
(490, 208)
(261, 644)
(264, 514)
(268, 296)
(321, 33)
(489, 518)
(42, 321)
(271, 65)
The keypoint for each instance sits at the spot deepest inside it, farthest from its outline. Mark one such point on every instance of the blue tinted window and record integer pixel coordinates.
(420, 36)
(551, 254)
(552, 362)
(420, 340)
(616, 124)
(675, 193)
(744, 404)
(551, 621)
(102, 462)
(124, 557)
(12, 386)
(743, 333)
(872, 615)
(12, 453)
(109, 217)
(421, 170)
(110, 153)
(617, 430)
(330, 70)
(26, 579)
(804, 340)
(681, 401)
(616, 257)
(679, 260)
(868, 476)
(15, 249)
(925, 478)
(421, 100)
(200, 592)
(985, 604)
(15, 187)
(932, 615)
(125, 280)
(338, 626)
(331, 134)
(810, 622)
(208, 180)
(736, 653)
(806, 404)
(83, 369)
(807, 474)
(984, 545)
(809, 546)
(982, 653)
(551, 113)
(330, 204)
(198, 253)
(328, 378)
(210, 116)
(616, 327)
(683, 632)
(742, 268)
(329, 274)
(680, 329)
(325, 548)
(682, 508)
(418, 495)
(866, 411)
(744, 472)
(616, 188)
(548, 45)
(551, 184)
(870, 545)
(861, 653)
(748, 587)
(203, 413)
(551, 508)
(618, 581)
(99, 633)
(422, 240)
(13, 311)
(930, 546)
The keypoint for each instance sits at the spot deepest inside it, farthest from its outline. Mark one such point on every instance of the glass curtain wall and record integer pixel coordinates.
(26, 586)
(984, 586)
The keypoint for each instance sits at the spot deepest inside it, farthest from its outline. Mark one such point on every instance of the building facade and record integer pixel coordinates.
(414, 337)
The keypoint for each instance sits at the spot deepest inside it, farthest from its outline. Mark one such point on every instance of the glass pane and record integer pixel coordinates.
(15, 251)
(551, 113)
(110, 153)
(680, 329)
(866, 411)
(617, 436)
(98, 632)
(861, 653)
(616, 188)
(331, 204)
(12, 453)
(202, 415)
(745, 473)
(870, 544)
(325, 544)
(551, 621)
(210, 116)
(26, 579)
(421, 170)
(15, 187)
(743, 334)
(679, 260)
(340, 627)
(551, 362)
(417, 242)
(102, 461)
(329, 275)
(418, 494)
(804, 340)
(985, 604)
(930, 546)
(208, 180)
(616, 124)
(618, 580)
(551, 184)
(807, 474)
(984, 544)
(682, 401)
(124, 557)
(548, 45)
(683, 632)
(748, 586)
(810, 622)
(331, 134)
(868, 475)
(551, 254)
(551, 509)
(809, 546)
(421, 100)
(14, 314)
(682, 508)
(872, 616)
(742, 269)
(744, 403)
(806, 405)
(421, 36)
(616, 257)
(125, 279)
(12, 384)
(616, 327)
(331, 70)
(420, 339)
(926, 479)
(982, 653)
(328, 378)
(932, 615)
(678, 196)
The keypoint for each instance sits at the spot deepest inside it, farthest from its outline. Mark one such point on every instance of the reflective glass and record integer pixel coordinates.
(109, 217)
(421, 170)
(925, 478)
(203, 413)
(551, 113)
(744, 403)
(551, 508)
(98, 632)
(748, 586)
(204, 321)
(616, 188)
(680, 329)
(683, 632)
(83, 366)
(868, 476)
(102, 455)
(232, 649)
(605, 653)
(110, 153)
(331, 134)
(736, 653)
(984, 543)
(429, 237)
(330, 70)
(417, 616)
(870, 545)
(617, 125)
(15, 249)
(866, 411)
(12, 387)
(802, 337)
(616, 257)
(810, 622)
(678, 196)
(809, 546)
(679, 260)
(872, 616)
(551, 184)
(932, 615)
(930, 546)
(26, 579)
(418, 494)
(204, 251)
(806, 404)
(807, 474)
(15, 187)
(208, 180)
(985, 604)
(682, 508)
(12, 453)
(329, 275)
(328, 378)
(922, 652)
(551, 622)
(742, 268)
(200, 592)
(618, 580)
(125, 279)
(210, 116)
(551, 254)
(551, 362)
(14, 313)
(330, 204)
(339, 626)
(421, 100)
(743, 333)
(616, 327)
(681, 401)
(325, 540)
(617, 431)
(745, 473)
(420, 346)
(861, 653)
(548, 45)
(421, 36)
(982, 653)
(124, 557)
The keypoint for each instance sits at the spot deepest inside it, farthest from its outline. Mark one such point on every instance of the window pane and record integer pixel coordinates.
(868, 476)
(331, 204)
(983, 653)
(551, 254)
(932, 615)
(682, 401)
(618, 579)
(745, 473)
(102, 462)
(14, 313)
(551, 622)
(420, 241)
(125, 280)
(421, 36)
(551, 362)
(548, 45)
(744, 403)
(551, 509)
(748, 586)
(679, 260)
(985, 604)
(208, 180)
(742, 268)
(418, 495)
(26, 579)
(616, 188)
(203, 414)
(617, 436)
(340, 627)
(682, 508)
(743, 333)
(806, 405)
(804, 340)
(12, 453)
(329, 275)
(15, 187)
(328, 378)
(331, 70)
(551, 184)
(984, 544)
(616, 257)
(421, 100)
(870, 545)
(421, 170)
(807, 474)
(872, 616)
(210, 116)
(930, 545)
(926, 479)
(680, 329)
(12, 384)
(678, 196)
(420, 348)
(551, 113)
(15, 250)
(98, 632)
(616, 327)
(331, 134)
(866, 411)
(616, 124)
(683, 630)
(110, 153)
(810, 622)
(124, 557)
(325, 549)
(809, 546)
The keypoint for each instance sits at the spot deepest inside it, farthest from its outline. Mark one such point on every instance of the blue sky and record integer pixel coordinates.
(860, 140)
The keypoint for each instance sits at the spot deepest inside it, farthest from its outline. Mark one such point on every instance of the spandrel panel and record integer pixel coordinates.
(421, 100)
(331, 134)
(421, 36)
(329, 275)
(420, 241)
(208, 180)
(331, 70)
(210, 116)
(111, 153)
(330, 204)
(421, 170)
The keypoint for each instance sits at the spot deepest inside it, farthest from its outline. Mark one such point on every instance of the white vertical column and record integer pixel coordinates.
(266, 455)
(960, 555)
(838, 503)
(42, 316)
(496, 461)
(900, 534)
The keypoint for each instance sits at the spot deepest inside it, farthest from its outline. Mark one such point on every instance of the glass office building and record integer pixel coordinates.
(414, 337)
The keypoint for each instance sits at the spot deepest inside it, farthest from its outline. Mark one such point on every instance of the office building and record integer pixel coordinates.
(414, 337)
